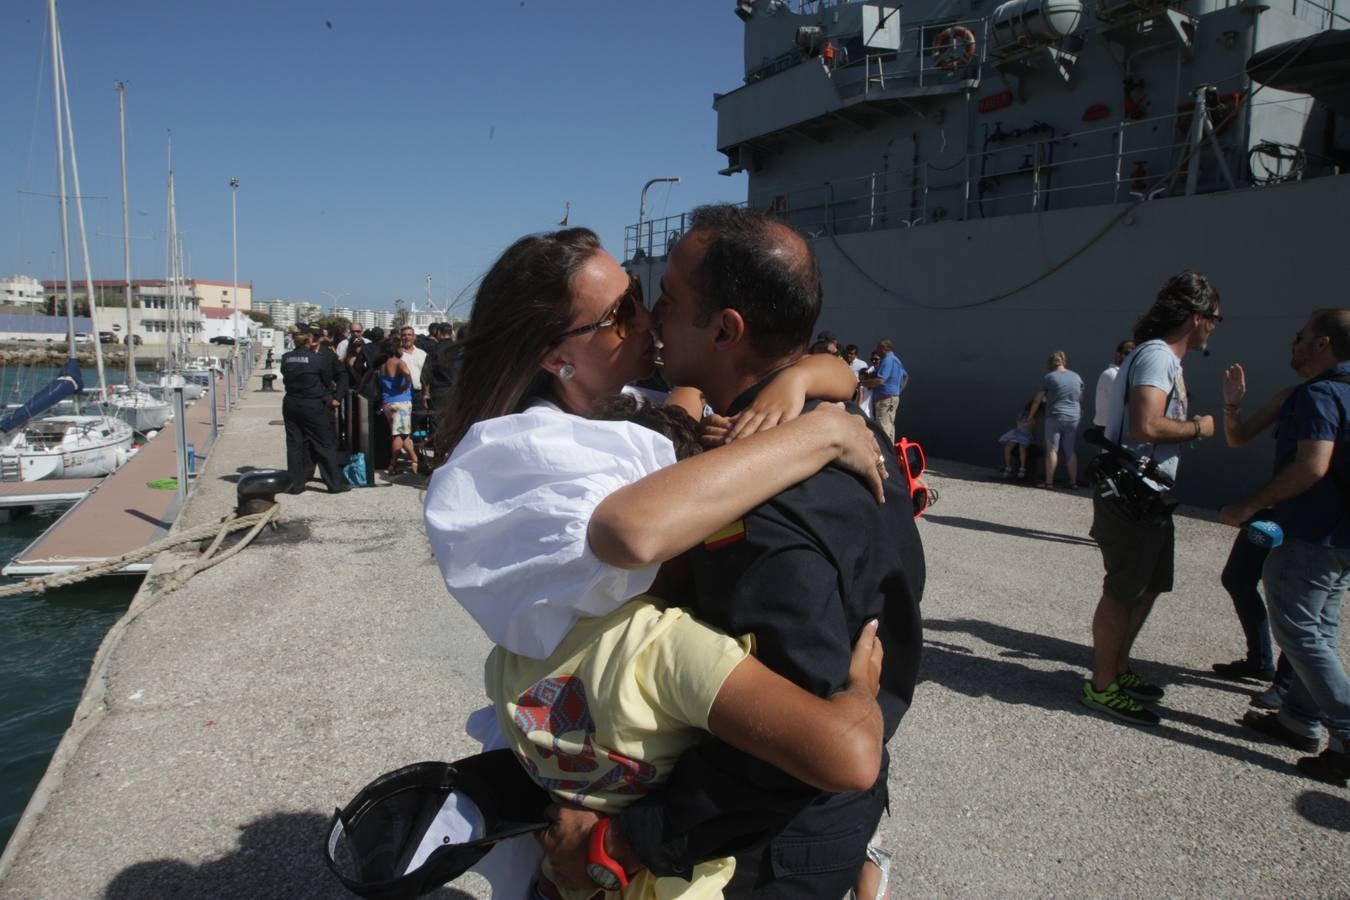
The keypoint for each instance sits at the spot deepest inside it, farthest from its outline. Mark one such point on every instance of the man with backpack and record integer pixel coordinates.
(1306, 575)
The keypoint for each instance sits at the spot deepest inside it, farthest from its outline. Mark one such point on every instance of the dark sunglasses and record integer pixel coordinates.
(1217, 320)
(620, 315)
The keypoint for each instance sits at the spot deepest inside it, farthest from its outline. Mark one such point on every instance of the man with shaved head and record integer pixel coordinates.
(803, 573)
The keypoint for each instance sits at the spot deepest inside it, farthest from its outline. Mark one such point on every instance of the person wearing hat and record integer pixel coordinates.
(312, 380)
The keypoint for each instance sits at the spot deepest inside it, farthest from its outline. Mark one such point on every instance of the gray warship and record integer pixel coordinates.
(985, 183)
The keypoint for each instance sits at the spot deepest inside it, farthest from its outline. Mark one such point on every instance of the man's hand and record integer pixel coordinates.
(1206, 424)
(564, 843)
(1237, 514)
(1234, 385)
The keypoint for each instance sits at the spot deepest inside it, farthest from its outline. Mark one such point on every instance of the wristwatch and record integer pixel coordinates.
(600, 866)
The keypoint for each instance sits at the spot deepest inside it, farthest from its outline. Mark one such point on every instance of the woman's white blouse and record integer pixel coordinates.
(507, 517)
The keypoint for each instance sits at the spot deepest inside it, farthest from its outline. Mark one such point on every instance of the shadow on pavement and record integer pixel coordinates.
(954, 667)
(279, 856)
(1324, 810)
(1012, 530)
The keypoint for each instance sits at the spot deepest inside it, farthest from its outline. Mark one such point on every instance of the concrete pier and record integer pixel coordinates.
(223, 723)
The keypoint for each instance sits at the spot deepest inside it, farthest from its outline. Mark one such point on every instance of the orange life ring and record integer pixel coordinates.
(947, 40)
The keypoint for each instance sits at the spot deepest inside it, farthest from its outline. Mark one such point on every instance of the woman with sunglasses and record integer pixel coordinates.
(557, 328)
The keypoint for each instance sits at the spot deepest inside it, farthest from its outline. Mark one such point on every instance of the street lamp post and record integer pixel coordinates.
(234, 253)
(642, 210)
(334, 298)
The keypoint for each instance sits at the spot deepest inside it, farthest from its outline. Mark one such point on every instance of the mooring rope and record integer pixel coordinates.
(255, 522)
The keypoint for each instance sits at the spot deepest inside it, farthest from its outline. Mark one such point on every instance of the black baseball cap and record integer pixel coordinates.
(417, 828)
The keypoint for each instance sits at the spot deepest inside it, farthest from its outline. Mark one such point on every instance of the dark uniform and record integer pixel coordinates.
(312, 379)
(803, 573)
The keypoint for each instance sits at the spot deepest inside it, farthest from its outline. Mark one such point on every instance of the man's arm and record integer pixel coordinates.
(1236, 430)
(1310, 465)
(1149, 422)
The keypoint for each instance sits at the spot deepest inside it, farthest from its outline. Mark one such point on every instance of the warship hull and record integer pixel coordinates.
(974, 307)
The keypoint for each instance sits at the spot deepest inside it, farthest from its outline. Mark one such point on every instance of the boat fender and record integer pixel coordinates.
(946, 40)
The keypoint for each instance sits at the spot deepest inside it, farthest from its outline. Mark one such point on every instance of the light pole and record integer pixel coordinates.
(234, 297)
(335, 298)
(642, 209)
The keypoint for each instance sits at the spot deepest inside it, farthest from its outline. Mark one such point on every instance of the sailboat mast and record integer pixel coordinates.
(126, 233)
(171, 283)
(61, 180)
(84, 240)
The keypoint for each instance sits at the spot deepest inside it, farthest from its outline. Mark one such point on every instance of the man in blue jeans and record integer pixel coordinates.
(1306, 576)
(886, 387)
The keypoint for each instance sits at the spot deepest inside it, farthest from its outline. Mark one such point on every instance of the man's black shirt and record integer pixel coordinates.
(809, 569)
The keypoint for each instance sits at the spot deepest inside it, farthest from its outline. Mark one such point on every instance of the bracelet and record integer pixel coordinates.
(1232, 408)
(1197, 428)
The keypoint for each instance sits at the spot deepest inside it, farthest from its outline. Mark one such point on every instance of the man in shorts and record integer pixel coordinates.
(1149, 415)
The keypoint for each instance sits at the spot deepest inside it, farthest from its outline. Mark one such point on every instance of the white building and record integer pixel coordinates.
(342, 312)
(21, 290)
(308, 312)
(384, 318)
(282, 313)
(224, 322)
(364, 317)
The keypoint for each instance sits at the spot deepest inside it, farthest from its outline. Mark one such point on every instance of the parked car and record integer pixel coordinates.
(222, 339)
(107, 337)
(83, 338)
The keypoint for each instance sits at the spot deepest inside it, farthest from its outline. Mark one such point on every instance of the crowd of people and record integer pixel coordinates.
(1294, 542)
(328, 375)
(705, 602)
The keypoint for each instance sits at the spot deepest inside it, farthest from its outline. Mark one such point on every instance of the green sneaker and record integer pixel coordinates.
(1115, 702)
(1138, 688)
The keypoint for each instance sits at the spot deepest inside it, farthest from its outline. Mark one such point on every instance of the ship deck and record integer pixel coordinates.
(119, 513)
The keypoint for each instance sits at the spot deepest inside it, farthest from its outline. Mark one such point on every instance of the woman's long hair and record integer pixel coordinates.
(522, 305)
(1181, 296)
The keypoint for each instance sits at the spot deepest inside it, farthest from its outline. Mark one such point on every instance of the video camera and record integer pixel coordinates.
(1124, 476)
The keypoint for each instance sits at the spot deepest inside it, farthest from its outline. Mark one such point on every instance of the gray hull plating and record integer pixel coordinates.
(1272, 252)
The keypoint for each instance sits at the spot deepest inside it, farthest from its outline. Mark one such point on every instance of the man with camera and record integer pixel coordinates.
(1149, 416)
(1306, 575)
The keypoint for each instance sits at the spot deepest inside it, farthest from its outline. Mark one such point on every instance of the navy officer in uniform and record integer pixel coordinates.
(312, 379)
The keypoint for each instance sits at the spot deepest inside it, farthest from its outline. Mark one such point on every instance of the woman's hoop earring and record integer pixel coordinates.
(566, 372)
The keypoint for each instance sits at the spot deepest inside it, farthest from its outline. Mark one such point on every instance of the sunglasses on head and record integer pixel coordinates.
(620, 315)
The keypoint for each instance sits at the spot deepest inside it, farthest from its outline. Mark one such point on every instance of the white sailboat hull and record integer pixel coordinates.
(140, 410)
(66, 447)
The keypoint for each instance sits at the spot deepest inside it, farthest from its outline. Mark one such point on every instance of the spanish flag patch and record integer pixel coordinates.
(724, 536)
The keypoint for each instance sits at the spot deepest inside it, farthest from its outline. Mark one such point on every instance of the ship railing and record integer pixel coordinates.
(1037, 169)
(1317, 14)
(654, 238)
(919, 61)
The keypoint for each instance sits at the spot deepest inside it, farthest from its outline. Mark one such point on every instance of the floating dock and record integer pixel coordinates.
(35, 493)
(117, 514)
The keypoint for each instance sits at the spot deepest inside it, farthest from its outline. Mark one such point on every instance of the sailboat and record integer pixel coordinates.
(177, 374)
(138, 408)
(74, 446)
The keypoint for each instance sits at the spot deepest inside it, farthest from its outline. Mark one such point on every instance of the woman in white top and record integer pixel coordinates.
(522, 513)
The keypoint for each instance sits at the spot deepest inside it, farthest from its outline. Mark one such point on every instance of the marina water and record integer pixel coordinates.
(49, 640)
